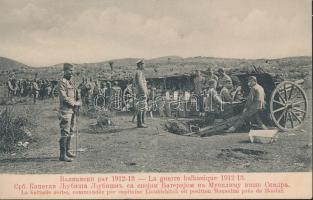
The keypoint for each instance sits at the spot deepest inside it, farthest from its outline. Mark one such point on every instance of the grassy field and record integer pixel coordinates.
(128, 149)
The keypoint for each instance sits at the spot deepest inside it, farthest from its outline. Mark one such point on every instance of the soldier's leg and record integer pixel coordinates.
(69, 137)
(258, 120)
(139, 119)
(143, 115)
(244, 118)
(65, 120)
(134, 116)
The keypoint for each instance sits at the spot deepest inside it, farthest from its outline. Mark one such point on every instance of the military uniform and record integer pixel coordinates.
(69, 102)
(223, 81)
(253, 107)
(198, 90)
(68, 97)
(35, 90)
(141, 89)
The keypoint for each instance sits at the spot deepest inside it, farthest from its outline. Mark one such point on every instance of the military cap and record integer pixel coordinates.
(140, 61)
(220, 70)
(212, 82)
(67, 66)
(252, 78)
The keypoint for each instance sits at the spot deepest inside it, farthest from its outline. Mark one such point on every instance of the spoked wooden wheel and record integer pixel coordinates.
(288, 106)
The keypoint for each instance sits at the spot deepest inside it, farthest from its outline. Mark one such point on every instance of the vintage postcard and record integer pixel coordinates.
(155, 99)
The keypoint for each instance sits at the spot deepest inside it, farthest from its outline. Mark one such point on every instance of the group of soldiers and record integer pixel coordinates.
(213, 90)
(90, 89)
(36, 88)
(217, 92)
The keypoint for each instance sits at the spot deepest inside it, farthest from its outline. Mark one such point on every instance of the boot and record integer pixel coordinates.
(139, 124)
(68, 147)
(63, 156)
(231, 130)
(143, 120)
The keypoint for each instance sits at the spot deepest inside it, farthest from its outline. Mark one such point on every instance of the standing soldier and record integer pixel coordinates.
(141, 89)
(35, 90)
(11, 86)
(253, 106)
(69, 104)
(198, 90)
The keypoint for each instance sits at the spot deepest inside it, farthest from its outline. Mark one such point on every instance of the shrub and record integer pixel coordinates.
(14, 128)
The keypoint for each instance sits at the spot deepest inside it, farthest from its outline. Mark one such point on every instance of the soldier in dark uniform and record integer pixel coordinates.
(253, 106)
(69, 104)
(140, 86)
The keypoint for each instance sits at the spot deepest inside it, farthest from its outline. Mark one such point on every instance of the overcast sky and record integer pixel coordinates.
(47, 32)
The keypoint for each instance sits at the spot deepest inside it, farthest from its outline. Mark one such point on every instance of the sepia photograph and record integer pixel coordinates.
(135, 87)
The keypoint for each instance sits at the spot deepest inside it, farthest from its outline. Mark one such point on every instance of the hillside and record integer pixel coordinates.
(7, 64)
(162, 66)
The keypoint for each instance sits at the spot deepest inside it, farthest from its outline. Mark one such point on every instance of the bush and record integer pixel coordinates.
(14, 129)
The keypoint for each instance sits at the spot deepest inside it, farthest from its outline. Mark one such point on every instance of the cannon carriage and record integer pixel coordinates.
(286, 104)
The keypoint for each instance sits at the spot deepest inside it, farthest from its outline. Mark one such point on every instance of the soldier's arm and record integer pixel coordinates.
(226, 96)
(62, 93)
(217, 98)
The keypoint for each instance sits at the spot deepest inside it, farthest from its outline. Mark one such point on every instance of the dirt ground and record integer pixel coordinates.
(128, 149)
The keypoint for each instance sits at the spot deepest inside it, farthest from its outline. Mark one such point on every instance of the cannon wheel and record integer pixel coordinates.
(288, 106)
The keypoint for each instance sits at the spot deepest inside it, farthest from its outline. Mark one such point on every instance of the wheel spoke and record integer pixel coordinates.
(279, 95)
(281, 116)
(291, 90)
(299, 102)
(295, 94)
(299, 110)
(285, 92)
(278, 102)
(290, 119)
(279, 109)
(299, 120)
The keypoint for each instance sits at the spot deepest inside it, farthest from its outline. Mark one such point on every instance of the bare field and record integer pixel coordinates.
(128, 149)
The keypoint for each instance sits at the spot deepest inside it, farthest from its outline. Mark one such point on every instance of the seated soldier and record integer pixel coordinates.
(222, 79)
(225, 91)
(213, 103)
(212, 100)
(253, 107)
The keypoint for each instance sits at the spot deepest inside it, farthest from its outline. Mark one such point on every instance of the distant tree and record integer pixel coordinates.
(111, 63)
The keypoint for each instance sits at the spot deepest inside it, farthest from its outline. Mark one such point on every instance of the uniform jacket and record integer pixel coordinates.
(212, 100)
(140, 84)
(225, 95)
(67, 95)
(222, 80)
(256, 98)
